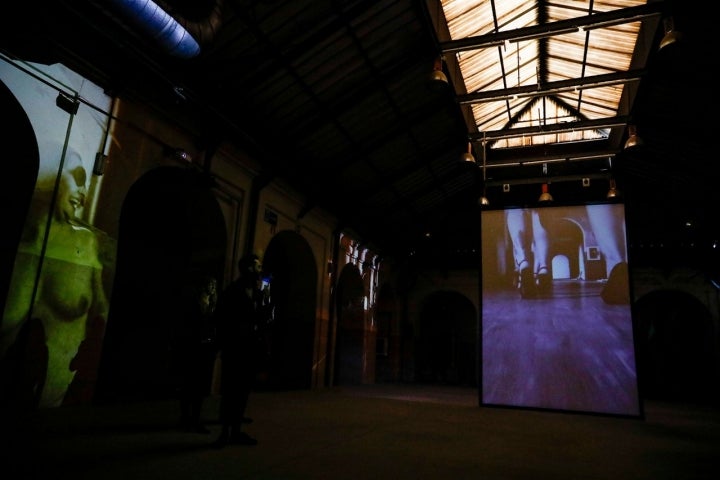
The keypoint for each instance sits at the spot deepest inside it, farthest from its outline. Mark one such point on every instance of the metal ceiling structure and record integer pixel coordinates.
(333, 97)
(526, 66)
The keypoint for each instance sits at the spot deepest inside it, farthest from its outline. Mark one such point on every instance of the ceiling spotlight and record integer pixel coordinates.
(633, 139)
(437, 76)
(181, 154)
(467, 156)
(545, 195)
(613, 192)
(671, 35)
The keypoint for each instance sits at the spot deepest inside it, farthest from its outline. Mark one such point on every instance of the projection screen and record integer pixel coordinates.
(556, 320)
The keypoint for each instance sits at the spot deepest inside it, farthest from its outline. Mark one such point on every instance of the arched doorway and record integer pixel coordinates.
(446, 341)
(21, 171)
(290, 262)
(171, 230)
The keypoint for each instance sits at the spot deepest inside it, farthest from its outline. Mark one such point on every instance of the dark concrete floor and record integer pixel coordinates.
(369, 432)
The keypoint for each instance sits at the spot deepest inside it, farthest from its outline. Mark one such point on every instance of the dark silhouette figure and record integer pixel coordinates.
(238, 318)
(196, 351)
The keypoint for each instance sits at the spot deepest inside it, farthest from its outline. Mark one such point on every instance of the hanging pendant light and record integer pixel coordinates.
(438, 80)
(483, 200)
(545, 195)
(467, 156)
(633, 139)
(671, 35)
(437, 76)
(613, 192)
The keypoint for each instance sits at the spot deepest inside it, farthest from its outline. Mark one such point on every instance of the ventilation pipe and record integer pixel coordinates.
(173, 33)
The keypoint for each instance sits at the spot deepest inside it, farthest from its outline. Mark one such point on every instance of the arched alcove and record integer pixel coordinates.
(171, 231)
(291, 263)
(567, 241)
(446, 340)
(21, 171)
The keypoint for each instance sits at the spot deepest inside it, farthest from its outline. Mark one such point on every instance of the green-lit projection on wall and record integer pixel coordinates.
(56, 306)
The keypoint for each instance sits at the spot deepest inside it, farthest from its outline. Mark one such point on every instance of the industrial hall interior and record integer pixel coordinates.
(482, 238)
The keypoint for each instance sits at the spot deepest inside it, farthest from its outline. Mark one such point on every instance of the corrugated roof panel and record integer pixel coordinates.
(518, 63)
(427, 201)
(380, 200)
(468, 18)
(413, 182)
(479, 69)
(491, 116)
(444, 166)
(613, 47)
(544, 111)
(562, 9)
(565, 54)
(363, 115)
(361, 175)
(514, 14)
(403, 156)
(571, 97)
(601, 102)
(564, 68)
(326, 138)
(498, 68)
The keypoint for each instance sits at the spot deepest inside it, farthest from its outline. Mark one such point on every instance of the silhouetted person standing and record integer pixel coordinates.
(196, 351)
(238, 316)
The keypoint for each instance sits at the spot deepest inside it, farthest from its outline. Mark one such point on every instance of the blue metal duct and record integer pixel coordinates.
(171, 33)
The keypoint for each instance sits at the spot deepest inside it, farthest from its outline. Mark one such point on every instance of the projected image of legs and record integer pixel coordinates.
(552, 335)
(530, 245)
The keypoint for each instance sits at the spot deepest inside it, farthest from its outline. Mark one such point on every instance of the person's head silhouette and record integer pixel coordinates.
(250, 267)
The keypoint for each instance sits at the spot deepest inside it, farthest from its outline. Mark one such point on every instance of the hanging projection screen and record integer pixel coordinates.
(558, 337)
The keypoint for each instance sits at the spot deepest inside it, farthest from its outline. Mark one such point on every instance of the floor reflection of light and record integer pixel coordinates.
(454, 395)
